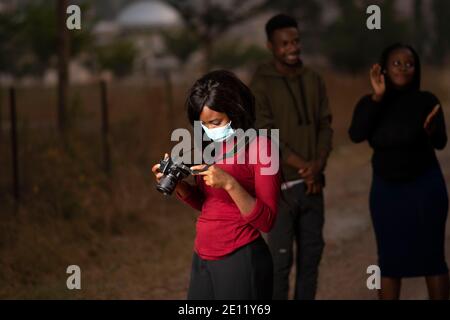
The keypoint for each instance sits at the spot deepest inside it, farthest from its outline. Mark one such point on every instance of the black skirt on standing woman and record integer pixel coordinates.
(408, 197)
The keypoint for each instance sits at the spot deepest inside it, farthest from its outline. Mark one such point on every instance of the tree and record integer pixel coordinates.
(12, 48)
(232, 54)
(441, 44)
(63, 61)
(350, 46)
(420, 31)
(28, 38)
(118, 57)
(209, 19)
(181, 43)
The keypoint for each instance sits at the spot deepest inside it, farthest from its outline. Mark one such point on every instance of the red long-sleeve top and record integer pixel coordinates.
(221, 227)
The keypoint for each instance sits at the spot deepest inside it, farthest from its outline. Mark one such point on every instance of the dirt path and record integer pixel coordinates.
(133, 268)
(130, 267)
(151, 259)
(349, 235)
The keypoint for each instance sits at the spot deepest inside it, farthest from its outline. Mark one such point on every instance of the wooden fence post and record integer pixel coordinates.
(105, 128)
(14, 144)
(1, 115)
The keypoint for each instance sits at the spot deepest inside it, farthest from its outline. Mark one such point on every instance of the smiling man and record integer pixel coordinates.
(292, 98)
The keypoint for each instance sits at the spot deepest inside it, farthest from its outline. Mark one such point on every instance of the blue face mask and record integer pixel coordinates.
(220, 133)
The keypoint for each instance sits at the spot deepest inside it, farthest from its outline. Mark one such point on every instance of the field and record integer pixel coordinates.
(131, 242)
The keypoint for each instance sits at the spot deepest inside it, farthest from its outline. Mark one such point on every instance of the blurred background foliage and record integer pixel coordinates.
(117, 57)
(28, 34)
(28, 38)
(351, 48)
(116, 225)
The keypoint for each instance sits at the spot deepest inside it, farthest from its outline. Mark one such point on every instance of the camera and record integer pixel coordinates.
(172, 174)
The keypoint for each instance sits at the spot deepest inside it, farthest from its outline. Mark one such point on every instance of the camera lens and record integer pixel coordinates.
(167, 184)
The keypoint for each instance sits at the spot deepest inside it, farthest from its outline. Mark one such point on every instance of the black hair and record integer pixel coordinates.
(415, 84)
(279, 21)
(223, 92)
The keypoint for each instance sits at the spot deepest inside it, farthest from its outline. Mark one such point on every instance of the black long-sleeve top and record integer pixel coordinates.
(395, 130)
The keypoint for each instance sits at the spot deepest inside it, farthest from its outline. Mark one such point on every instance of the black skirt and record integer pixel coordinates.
(409, 221)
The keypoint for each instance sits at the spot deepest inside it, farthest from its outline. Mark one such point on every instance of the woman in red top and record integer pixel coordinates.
(237, 201)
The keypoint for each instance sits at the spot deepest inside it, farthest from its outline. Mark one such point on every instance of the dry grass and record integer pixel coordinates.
(129, 241)
(71, 213)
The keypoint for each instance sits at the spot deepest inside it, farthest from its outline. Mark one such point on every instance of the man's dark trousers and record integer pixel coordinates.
(301, 219)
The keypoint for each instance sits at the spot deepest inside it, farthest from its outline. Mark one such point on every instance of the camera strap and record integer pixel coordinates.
(238, 146)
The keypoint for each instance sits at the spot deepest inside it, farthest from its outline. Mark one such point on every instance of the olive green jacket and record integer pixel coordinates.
(298, 107)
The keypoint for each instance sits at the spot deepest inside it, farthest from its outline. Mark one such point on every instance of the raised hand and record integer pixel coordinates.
(378, 82)
(428, 121)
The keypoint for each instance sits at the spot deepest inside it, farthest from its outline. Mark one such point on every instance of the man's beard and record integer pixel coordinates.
(285, 62)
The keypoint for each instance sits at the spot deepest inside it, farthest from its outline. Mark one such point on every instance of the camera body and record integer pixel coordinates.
(172, 174)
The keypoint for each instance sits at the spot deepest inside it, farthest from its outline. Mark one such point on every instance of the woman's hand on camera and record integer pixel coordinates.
(378, 82)
(215, 177)
(156, 172)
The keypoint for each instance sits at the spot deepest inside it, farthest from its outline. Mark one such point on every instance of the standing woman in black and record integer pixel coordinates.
(408, 197)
